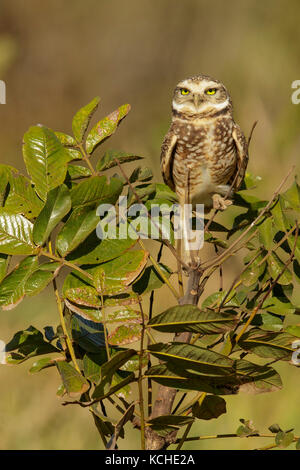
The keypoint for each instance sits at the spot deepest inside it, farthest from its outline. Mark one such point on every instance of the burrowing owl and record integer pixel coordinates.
(204, 152)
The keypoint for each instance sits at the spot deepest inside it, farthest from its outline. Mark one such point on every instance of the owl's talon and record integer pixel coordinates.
(219, 203)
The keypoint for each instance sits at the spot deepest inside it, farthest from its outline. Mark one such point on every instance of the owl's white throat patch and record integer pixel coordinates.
(191, 108)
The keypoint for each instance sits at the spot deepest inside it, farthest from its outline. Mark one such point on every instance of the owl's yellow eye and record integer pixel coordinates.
(184, 91)
(211, 91)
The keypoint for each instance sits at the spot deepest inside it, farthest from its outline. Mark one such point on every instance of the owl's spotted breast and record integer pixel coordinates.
(205, 155)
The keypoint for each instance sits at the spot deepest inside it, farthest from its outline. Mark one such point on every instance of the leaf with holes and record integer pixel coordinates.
(22, 198)
(82, 118)
(106, 127)
(125, 334)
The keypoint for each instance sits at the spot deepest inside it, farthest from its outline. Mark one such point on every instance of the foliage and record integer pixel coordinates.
(105, 344)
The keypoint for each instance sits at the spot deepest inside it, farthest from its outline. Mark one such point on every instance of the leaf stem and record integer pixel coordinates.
(87, 159)
(66, 263)
(63, 324)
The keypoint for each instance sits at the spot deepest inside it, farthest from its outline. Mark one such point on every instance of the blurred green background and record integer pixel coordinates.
(55, 56)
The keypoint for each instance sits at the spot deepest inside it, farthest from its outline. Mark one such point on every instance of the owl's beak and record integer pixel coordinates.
(197, 100)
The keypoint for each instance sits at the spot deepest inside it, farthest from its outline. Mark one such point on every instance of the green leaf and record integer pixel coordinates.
(215, 299)
(41, 364)
(192, 358)
(119, 428)
(293, 330)
(211, 407)
(106, 127)
(150, 279)
(268, 321)
(78, 171)
(88, 334)
(95, 191)
(266, 233)
(125, 334)
(108, 370)
(122, 271)
(15, 235)
(74, 383)
(190, 318)
(274, 428)
(274, 345)
(118, 388)
(247, 429)
(292, 196)
(165, 424)
(162, 191)
(82, 118)
(134, 363)
(95, 251)
(108, 160)
(4, 262)
(58, 204)
(81, 223)
(249, 378)
(275, 266)
(103, 423)
(22, 199)
(251, 275)
(284, 439)
(12, 288)
(251, 180)
(280, 219)
(78, 289)
(65, 139)
(26, 344)
(278, 305)
(121, 315)
(6, 176)
(141, 174)
(92, 363)
(45, 158)
(37, 282)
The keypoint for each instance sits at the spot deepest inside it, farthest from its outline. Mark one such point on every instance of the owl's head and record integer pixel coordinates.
(200, 96)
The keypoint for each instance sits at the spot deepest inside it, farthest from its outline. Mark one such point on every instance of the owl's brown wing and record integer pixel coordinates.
(167, 157)
(242, 157)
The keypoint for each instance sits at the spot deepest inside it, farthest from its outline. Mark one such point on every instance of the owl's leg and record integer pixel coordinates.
(220, 203)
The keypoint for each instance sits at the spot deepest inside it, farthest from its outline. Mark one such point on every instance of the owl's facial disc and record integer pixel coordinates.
(201, 97)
